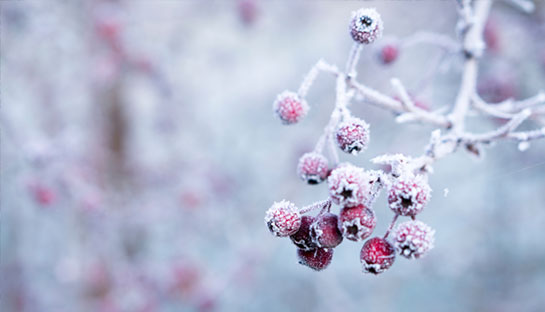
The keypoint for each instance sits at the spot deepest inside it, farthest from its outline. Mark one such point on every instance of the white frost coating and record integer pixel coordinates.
(362, 231)
(399, 163)
(283, 218)
(366, 25)
(445, 192)
(347, 185)
(409, 194)
(413, 239)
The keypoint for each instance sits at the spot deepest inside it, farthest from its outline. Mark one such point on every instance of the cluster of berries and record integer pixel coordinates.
(352, 188)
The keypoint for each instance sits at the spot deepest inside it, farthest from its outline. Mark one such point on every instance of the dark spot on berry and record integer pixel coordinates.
(312, 181)
(406, 202)
(366, 21)
(372, 270)
(346, 193)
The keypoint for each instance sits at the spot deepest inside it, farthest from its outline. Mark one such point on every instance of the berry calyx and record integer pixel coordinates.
(302, 238)
(357, 223)
(352, 135)
(317, 259)
(312, 168)
(347, 185)
(366, 25)
(408, 195)
(377, 255)
(289, 107)
(413, 239)
(283, 218)
(325, 232)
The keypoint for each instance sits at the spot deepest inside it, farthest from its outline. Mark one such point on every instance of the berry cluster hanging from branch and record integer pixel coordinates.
(355, 189)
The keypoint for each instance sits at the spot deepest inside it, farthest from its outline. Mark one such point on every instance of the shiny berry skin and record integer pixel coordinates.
(347, 185)
(289, 107)
(317, 259)
(302, 238)
(325, 231)
(388, 54)
(352, 135)
(413, 239)
(283, 218)
(377, 255)
(312, 168)
(366, 25)
(357, 223)
(408, 195)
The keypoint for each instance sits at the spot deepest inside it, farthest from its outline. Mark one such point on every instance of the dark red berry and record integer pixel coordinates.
(377, 255)
(302, 238)
(325, 231)
(317, 259)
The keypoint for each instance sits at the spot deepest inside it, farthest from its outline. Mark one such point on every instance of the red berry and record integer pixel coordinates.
(388, 53)
(408, 195)
(366, 25)
(377, 255)
(302, 238)
(357, 223)
(312, 168)
(289, 107)
(317, 259)
(325, 231)
(42, 194)
(353, 135)
(347, 185)
(283, 218)
(413, 239)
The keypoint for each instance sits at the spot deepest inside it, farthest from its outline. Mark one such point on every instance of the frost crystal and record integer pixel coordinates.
(413, 239)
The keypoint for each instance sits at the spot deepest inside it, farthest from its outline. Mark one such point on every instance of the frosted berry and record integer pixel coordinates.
(408, 195)
(347, 185)
(389, 53)
(283, 218)
(377, 255)
(302, 238)
(317, 259)
(366, 25)
(289, 107)
(325, 231)
(312, 168)
(357, 223)
(353, 135)
(413, 239)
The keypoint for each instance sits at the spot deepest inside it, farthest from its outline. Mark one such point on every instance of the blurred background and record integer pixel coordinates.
(140, 153)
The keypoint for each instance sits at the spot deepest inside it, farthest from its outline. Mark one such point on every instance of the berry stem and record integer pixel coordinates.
(323, 204)
(352, 61)
(391, 226)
